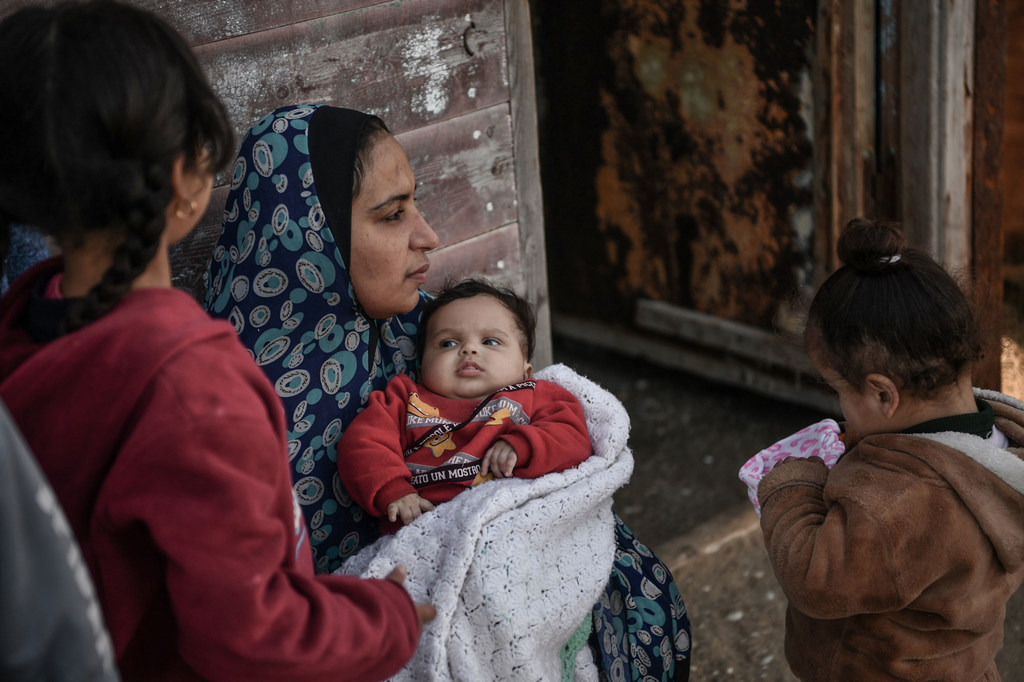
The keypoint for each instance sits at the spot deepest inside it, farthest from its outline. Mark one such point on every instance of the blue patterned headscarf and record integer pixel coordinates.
(279, 274)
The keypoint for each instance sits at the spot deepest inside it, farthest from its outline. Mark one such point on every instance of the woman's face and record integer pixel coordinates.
(390, 238)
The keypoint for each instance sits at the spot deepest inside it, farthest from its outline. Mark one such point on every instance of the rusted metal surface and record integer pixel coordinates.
(702, 178)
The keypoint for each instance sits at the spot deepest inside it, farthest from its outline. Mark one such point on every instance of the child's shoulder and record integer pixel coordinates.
(404, 382)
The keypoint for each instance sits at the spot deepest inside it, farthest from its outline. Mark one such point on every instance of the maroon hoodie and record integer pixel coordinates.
(165, 444)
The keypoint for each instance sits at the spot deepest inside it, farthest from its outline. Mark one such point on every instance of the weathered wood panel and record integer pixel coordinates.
(887, 188)
(205, 21)
(764, 347)
(519, 35)
(494, 255)
(937, 81)
(701, 360)
(1013, 214)
(844, 109)
(461, 168)
(990, 35)
(409, 63)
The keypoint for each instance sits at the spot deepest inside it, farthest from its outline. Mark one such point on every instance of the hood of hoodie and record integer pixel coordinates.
(999, 510)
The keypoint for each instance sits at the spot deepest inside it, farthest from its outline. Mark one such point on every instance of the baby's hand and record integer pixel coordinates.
(408, 508)
(500, 458)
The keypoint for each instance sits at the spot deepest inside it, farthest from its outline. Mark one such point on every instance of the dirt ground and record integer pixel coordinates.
(689, 438)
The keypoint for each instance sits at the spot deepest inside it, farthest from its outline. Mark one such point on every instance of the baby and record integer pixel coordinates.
(477, 415)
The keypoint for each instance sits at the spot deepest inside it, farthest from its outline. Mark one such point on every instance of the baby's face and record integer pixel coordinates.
(472, 349)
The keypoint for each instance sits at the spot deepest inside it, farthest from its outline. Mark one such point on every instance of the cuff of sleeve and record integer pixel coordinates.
(412, 620)
(392, 491)
(794, 471)
(521, 445)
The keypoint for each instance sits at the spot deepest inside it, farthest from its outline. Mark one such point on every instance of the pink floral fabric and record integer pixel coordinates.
(817, 440)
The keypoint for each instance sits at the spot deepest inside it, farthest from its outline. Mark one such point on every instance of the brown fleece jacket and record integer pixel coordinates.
(898, 563)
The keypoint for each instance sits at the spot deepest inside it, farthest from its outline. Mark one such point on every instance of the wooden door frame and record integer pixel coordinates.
(909, 102)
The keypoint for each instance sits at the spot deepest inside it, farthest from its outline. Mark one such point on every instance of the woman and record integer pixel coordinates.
(162, 441)
(318, 268)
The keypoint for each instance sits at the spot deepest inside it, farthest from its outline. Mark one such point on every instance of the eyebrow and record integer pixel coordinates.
(450, 331)
(395, 198)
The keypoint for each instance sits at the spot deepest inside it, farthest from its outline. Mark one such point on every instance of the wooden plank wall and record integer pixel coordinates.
(1013, 214)
(990, 41)
(452, 79)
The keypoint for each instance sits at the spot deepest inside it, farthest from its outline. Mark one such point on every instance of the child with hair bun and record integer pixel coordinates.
(899, 560)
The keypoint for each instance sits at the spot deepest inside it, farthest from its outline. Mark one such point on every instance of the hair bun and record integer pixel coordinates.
(870, 245)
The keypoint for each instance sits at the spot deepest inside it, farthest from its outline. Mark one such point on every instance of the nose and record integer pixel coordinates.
(467, 348)
(423, 236)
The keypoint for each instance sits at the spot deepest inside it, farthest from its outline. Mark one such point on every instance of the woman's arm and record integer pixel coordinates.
(556, 437)
(370, 460)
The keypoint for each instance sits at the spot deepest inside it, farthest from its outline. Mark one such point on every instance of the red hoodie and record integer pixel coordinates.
(166, 446)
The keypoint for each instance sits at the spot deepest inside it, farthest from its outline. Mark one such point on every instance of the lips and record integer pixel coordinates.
(469, 369)
(420, 274)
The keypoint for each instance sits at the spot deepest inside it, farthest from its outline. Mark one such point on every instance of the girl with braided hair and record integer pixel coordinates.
(164, 442)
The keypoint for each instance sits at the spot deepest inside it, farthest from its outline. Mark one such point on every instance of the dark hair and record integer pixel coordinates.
(370, 134)
(522, 311)
(107, 97)
(891, 310)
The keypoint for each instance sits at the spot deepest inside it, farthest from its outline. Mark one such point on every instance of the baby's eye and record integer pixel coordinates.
(448, 343)
(492, 342)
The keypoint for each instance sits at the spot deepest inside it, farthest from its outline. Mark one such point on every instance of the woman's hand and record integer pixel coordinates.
(408, 508)
(500, 458)
(425, 612)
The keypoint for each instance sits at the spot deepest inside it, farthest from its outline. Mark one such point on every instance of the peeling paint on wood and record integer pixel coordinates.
(407, 63)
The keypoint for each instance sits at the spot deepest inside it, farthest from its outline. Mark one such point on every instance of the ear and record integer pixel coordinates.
(883, 393)
(527, 371)
(187, 184)
(188, 202)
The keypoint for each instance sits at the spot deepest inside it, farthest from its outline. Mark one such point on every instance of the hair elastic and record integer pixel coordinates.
(889, 260)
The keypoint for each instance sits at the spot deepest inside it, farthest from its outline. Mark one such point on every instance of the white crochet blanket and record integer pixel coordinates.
(515, 565)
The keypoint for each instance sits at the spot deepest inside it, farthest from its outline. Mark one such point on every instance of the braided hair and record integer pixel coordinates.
(108, 96)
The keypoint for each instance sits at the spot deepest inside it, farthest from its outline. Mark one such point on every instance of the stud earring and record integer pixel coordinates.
(192, 205)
